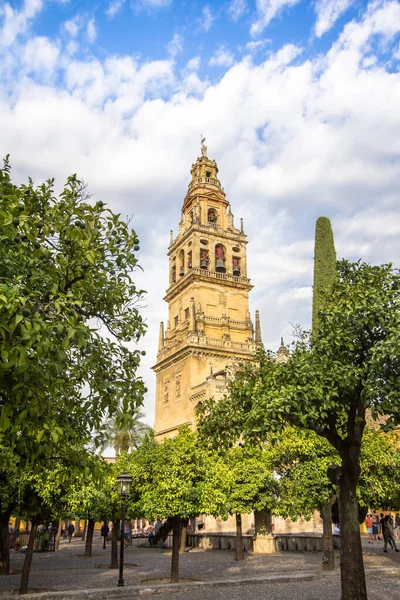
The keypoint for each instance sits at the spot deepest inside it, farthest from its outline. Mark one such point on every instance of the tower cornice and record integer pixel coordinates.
(212, 230)
(204, 276)
(224, 349)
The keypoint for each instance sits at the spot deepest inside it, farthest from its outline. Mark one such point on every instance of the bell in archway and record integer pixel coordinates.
(220, 265)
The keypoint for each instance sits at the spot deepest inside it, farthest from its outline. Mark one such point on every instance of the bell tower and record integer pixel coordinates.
(209, 326)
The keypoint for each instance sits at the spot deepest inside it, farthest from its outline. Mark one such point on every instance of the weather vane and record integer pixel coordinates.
(203, 146)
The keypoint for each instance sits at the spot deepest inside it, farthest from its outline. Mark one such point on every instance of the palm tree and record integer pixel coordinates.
(124, 439)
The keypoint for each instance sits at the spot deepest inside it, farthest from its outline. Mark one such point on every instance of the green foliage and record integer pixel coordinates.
(351, 365)
(94, 494)
(252, 481)
(65, 277)
(379, 484)
(324, 266)
(123, 437)
(177, 478)
(301, 459)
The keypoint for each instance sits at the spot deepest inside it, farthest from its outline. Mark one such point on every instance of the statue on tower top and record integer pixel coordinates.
(203, 146)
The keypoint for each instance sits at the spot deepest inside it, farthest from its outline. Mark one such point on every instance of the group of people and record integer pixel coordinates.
(383, 526)
(105, 530)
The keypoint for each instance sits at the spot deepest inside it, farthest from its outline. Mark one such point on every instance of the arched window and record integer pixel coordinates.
(181, 263)
(173, 270)
(212, 216)
(220, 258)
(236, 266)
(204, 258)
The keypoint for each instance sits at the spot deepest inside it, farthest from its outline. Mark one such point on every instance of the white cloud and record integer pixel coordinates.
(16, 22)
(40, 55)
(175, 46)
(193, 64)
(72, 26)
(72, 47)
(114, 7)
(328, 11)
(207, 19)
(266, 11)
(91, 31)
(295, 138)
(236, 9)
(221, 58)
(153, 3)
(254, 47)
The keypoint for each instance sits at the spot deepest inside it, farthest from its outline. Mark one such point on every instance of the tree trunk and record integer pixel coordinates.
(28, 560)
(239, 538)
(17, 524)
(77, 526)
(183, 535)
(84, 530)
(328, 556)
(4, 543)
(58, 536)
(351, 559)
(89, 537)
(176, 529)
(114, 544)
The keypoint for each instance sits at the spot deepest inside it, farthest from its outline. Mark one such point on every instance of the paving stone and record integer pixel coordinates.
(72, 575)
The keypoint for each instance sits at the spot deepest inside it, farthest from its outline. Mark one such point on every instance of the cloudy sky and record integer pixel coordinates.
(299, 100)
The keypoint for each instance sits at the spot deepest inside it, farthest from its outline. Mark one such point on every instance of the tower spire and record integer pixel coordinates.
(203, 146)
(258, 339)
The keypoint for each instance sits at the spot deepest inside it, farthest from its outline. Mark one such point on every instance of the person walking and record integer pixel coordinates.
(368, 525)
(397, 524)
(381, 519)
(375, 526)
(127, 533)
(70, 531)
(105, 530)
(388, 533)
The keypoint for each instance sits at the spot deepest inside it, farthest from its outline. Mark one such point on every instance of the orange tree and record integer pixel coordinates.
(66, 278)
(348, 367)
(175, 480)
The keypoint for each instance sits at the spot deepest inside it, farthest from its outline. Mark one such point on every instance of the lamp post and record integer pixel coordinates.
(124, 483)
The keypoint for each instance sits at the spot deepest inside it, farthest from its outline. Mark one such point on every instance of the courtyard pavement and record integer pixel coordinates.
(204, 574)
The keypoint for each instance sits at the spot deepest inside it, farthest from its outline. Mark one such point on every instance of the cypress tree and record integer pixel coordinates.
(324, 266)
(324, 274)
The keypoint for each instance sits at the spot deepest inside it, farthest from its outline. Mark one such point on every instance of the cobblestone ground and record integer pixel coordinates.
(68, 569)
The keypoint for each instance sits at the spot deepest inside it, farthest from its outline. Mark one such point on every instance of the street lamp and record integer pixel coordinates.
(124, 483)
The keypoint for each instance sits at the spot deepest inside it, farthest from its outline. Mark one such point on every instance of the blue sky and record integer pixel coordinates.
(299, 102)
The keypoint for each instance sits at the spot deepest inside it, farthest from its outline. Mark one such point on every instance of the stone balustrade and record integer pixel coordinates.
(284, 542)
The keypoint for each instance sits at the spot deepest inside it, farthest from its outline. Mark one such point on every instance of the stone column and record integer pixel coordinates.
(264, 542)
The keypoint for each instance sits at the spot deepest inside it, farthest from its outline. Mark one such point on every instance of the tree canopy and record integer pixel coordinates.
(68, 306)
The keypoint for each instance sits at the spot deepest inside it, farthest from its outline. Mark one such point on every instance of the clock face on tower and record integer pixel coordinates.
(209, 325)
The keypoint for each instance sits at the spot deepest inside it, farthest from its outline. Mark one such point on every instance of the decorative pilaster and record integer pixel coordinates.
(161, 337)
(192, 316)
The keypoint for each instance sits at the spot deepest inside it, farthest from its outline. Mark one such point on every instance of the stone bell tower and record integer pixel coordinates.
(209, 325)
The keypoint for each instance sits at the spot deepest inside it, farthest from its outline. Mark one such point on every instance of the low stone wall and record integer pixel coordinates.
(302, 542)
(289, 542)
(218, 541)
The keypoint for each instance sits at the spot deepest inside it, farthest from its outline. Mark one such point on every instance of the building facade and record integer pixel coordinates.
(209, 326)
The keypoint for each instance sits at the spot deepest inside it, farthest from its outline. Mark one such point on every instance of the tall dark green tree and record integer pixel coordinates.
(324, 276)
(324, 266)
